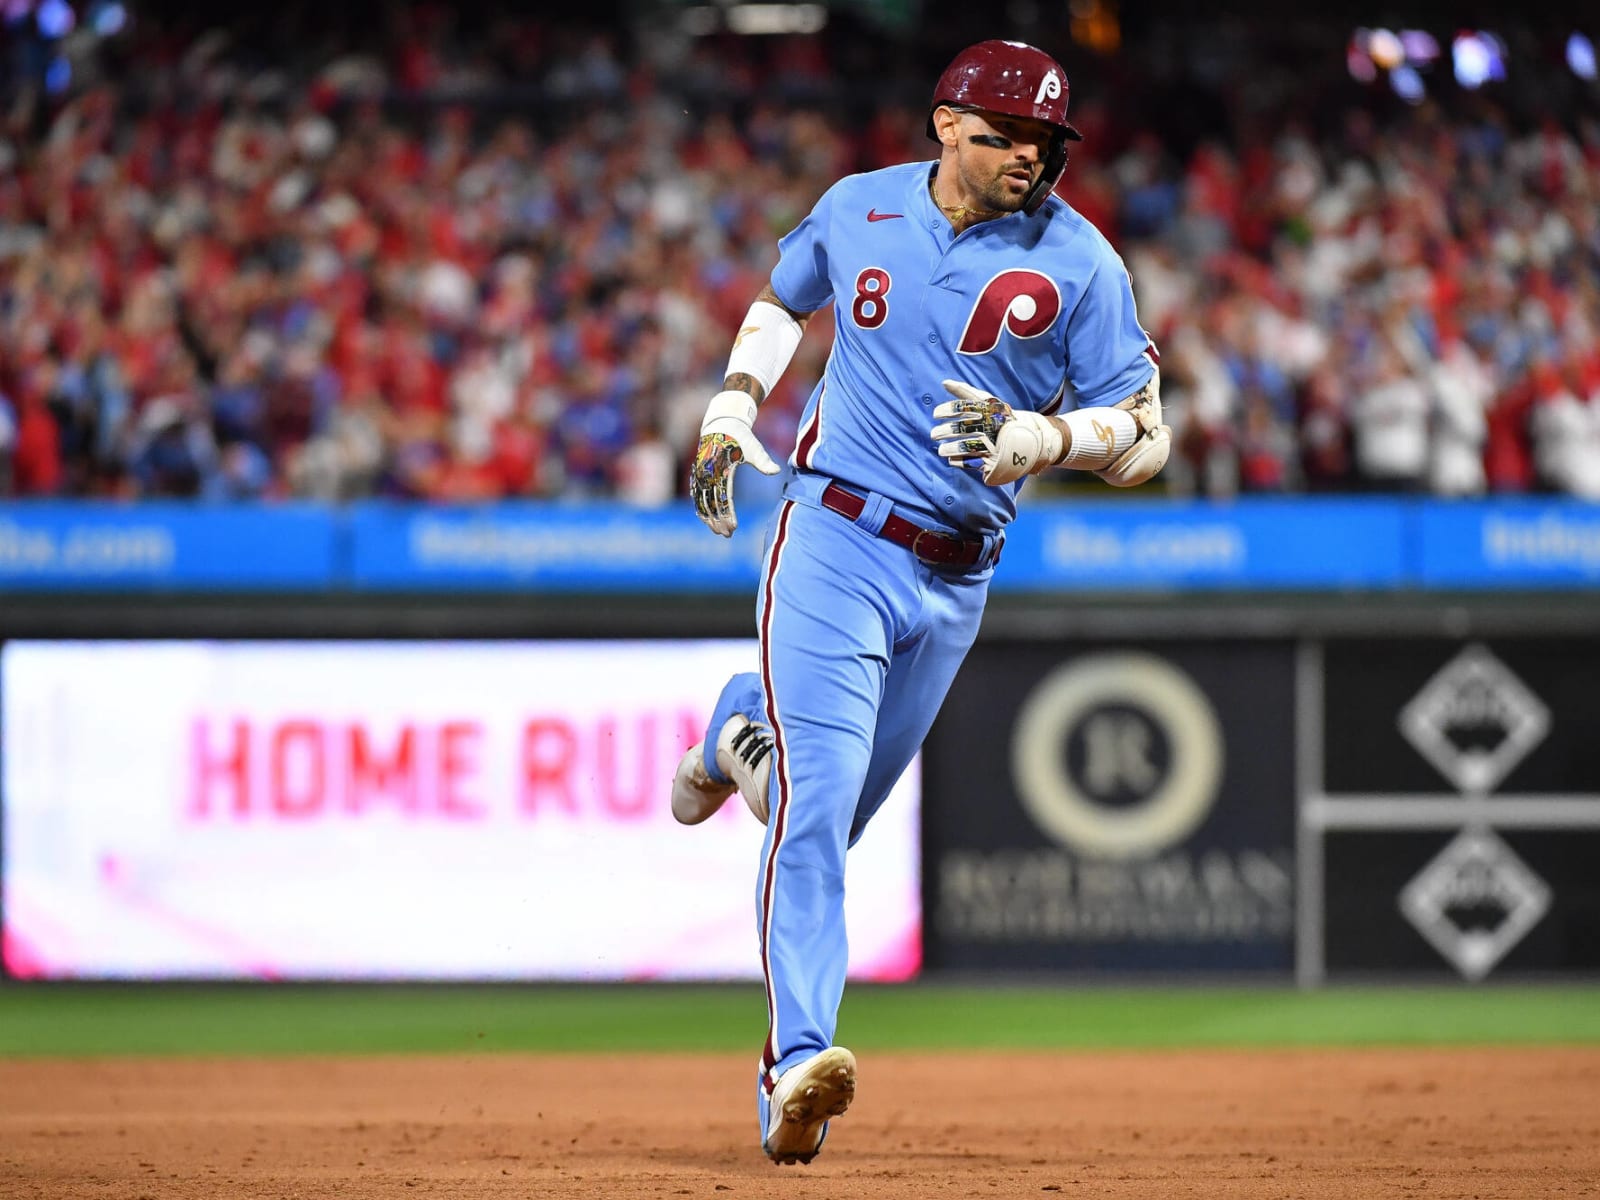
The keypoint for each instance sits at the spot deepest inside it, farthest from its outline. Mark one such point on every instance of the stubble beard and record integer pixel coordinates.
(995, 195)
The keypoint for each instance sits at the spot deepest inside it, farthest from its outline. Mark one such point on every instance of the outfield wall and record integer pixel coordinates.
(244, 780)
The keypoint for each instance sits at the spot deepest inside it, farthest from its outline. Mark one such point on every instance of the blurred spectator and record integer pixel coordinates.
(171, 452)
(1390, 422)
(647, 471)
(1566, 429)
(1462, 389)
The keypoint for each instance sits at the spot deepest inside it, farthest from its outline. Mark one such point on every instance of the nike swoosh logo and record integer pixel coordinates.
(874, 215)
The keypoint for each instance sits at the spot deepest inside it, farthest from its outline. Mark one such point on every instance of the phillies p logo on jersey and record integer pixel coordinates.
(1024, 302)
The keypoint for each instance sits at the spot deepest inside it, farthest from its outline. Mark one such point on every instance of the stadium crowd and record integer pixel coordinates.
(230, 281)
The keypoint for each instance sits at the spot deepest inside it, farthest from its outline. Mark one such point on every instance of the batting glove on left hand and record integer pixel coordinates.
(983, 430)
(727, 438)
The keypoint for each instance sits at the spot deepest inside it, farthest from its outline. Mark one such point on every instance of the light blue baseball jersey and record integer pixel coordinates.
(1037, 310)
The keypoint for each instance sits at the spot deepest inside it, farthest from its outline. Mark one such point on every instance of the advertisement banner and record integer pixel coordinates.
(1093, 543)
(593, 547)
(1509, 543)
(1431, 716)
(1135, 543)
(1463, 903)
(66, 546)
(1459, 807)
(1113, 808)
(366, 810)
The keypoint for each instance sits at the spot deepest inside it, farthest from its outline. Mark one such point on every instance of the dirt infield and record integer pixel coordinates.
(1444, 1123)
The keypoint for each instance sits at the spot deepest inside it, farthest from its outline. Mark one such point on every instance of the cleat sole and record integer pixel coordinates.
(816, 1101)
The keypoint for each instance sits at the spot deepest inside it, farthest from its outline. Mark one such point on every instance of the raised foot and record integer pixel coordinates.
(805, 1100)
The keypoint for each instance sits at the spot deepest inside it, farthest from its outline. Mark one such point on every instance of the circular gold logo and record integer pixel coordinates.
(1172, 799)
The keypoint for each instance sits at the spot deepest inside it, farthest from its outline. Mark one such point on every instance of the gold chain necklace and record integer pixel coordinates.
(958, 213)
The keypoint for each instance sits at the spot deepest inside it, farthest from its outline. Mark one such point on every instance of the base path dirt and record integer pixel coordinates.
(1423, 1123)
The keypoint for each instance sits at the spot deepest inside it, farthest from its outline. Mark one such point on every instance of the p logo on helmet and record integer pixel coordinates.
(1016, 80)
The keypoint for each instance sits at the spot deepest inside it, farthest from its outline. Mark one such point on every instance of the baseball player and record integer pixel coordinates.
(986, 332)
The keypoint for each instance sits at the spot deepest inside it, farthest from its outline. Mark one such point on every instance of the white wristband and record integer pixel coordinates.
(1099, 436)
(739, 405)
(766, 342)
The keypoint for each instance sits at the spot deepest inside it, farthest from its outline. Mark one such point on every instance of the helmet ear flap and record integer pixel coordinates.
(1055, 163)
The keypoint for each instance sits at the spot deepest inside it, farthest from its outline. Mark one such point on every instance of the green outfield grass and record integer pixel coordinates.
(76, 1019)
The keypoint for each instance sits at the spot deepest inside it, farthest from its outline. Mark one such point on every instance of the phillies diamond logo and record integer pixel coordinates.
(1475, 721)
(1475, 901)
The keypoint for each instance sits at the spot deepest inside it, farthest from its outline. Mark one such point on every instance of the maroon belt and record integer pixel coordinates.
(930, 545)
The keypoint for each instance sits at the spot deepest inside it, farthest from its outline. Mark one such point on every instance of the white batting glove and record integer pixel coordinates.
(983, 430)
(727, 438)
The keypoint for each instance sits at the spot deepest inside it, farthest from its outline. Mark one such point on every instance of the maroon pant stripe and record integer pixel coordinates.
(778, 811)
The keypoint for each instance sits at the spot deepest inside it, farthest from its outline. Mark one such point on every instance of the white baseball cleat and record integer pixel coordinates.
(804, 1099)
(695, 795)
(744, 751)
(744, 755)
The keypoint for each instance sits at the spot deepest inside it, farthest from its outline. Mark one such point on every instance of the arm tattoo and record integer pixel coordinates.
(740, 382)
(1145, 404)
(1144, 394)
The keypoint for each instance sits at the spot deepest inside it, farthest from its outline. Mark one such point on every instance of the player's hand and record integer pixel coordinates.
(727, 438)
(984, 431)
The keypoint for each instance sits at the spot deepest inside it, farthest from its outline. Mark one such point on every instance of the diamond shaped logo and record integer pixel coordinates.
(1475, 721)
(1475, 901)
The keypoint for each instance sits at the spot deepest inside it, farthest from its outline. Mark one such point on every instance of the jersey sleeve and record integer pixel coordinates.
(1109, 355)
(801, 277)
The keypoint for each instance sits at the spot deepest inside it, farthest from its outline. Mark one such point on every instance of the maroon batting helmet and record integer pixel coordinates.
(1018, 80)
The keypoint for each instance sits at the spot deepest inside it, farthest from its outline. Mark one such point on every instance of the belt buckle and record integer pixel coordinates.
(916, 545)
